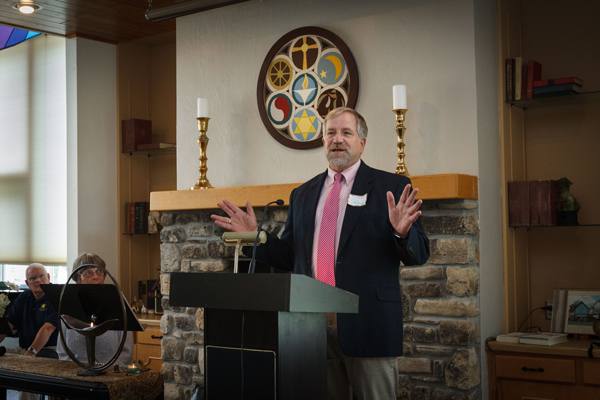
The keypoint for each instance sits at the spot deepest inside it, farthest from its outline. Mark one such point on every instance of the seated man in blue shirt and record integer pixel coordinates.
(32, 316)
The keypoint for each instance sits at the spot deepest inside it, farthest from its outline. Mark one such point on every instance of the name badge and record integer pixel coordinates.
(357, 200)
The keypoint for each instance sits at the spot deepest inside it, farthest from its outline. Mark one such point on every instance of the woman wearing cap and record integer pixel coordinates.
(106, 344)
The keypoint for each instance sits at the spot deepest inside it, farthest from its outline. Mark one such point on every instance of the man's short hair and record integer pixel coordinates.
(35, 265)
(361, 123)
(90, 259)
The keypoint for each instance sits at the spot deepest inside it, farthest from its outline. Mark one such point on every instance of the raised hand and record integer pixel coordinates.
(237, 220)
(403, 214)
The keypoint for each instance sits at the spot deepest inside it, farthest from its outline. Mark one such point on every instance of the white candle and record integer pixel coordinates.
(399, 95)
(202, 105)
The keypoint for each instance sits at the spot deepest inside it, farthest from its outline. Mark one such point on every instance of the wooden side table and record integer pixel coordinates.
(526, 372)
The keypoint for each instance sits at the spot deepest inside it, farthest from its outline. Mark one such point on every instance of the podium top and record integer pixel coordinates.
(259, 292)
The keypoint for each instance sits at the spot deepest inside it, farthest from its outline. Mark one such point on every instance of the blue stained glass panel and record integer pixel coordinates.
(32, 34)
(11, 36)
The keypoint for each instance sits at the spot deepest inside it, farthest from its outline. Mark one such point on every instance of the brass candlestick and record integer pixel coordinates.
(401, 168)
(202, 182)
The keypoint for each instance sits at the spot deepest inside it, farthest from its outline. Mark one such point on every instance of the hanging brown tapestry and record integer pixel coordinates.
(307, 73)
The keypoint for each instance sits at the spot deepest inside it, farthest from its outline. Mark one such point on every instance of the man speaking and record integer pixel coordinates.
(350, 227)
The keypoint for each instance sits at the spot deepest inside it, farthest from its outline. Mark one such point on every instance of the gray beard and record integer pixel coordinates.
(338, 163)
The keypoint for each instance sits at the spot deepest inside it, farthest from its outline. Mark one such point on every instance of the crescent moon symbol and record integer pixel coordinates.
(336, 63)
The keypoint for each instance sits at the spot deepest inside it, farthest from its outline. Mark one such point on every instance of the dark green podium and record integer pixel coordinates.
(264, 334)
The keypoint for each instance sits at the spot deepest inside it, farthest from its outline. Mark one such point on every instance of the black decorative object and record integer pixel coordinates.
(91, 310)
(568, 206)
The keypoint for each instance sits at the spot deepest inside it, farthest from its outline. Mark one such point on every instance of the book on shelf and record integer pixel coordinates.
(557, 90)
(512, 337)
(534, 73)
(543, 200)
(141, 217)
(518, 84)
(519, 77)
(524, 80)
(135, 132)
(543, 338)
(136, 217)
(518, 203)
(558, 81)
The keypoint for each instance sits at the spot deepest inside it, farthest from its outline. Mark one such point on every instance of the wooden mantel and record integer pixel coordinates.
(431, 187)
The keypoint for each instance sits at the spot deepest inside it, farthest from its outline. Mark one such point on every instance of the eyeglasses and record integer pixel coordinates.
(36, 277)
(89, 272)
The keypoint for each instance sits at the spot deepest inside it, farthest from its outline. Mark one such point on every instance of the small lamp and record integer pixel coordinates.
(26, 7)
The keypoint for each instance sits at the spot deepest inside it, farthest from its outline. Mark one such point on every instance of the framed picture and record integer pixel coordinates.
(582, 308)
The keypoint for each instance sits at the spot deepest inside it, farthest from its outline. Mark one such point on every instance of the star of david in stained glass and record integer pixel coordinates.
(305, 125)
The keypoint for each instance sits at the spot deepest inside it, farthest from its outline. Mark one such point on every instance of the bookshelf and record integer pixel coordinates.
(568, 99)
(155, 150)
(146, 90)
(546, 138)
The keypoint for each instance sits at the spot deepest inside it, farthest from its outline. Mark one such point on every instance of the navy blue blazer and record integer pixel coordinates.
(367, 261)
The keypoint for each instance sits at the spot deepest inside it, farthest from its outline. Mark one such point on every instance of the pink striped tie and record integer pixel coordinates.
(327, 232)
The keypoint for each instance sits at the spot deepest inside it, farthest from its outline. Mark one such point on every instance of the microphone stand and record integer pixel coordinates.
(252, 265)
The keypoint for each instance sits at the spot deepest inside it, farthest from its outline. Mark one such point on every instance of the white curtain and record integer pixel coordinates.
(33, 152)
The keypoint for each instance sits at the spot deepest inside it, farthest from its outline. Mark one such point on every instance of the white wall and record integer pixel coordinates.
(92, 148)
(426, 44)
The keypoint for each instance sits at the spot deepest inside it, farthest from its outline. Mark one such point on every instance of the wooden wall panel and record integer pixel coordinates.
(147, 91)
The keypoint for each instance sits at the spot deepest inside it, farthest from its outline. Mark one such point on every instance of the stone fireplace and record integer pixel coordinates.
(440, 299)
